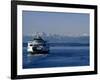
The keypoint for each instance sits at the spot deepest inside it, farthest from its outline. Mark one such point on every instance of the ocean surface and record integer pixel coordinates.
(58, 56)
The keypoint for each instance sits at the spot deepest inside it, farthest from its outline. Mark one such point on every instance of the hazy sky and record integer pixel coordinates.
(55, 23)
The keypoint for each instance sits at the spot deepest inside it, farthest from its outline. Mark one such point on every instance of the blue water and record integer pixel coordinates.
(59, 56)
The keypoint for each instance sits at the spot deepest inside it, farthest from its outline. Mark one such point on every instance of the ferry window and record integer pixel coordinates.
(31, 45)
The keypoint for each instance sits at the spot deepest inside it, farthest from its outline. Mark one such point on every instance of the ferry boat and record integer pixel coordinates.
(38, 46)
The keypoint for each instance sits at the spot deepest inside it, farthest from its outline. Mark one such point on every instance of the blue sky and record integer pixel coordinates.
(55, 23)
